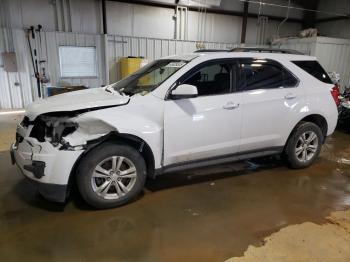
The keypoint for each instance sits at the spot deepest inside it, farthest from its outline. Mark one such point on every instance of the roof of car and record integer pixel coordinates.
(225, 54)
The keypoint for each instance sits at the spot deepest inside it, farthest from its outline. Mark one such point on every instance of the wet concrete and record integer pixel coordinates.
(210, 214)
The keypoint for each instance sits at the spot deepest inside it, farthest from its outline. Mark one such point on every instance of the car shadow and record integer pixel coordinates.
(27, 192)
(212, 173)
(343, 127)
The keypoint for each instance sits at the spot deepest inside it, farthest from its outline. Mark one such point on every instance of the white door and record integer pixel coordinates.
(270, 99)
(207, 126)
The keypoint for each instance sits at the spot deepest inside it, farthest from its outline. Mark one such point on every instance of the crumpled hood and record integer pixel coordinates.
(77, 100)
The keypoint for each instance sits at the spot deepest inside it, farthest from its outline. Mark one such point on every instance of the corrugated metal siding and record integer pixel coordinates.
(304, 45)
(15, 87)
(51, 43)
(19, 89)
(332, 53)
(150, 49)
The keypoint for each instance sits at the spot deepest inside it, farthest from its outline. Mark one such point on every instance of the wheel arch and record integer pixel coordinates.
(119, 138)
(317, 119)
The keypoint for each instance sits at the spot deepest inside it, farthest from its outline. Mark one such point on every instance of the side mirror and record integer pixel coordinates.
(184, 91)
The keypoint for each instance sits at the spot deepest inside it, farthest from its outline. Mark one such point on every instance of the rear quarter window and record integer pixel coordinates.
(315, 69)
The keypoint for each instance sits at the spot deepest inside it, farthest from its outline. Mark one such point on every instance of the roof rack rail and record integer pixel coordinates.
(211, 50)
(266, 50)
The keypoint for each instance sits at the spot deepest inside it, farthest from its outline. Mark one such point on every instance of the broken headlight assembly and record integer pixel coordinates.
(68, 132)
(52, 128)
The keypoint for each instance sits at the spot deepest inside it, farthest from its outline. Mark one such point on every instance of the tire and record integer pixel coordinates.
(300, 151)
(111, 175)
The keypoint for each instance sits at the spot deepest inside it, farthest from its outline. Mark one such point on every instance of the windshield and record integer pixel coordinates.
(148, 77)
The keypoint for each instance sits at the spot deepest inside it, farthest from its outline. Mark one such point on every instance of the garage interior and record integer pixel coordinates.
(255, 210)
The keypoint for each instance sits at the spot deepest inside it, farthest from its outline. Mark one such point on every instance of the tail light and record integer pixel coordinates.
(335, 93)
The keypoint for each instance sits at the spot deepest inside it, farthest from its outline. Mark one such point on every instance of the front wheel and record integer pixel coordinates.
(111, 175)
(304, 145)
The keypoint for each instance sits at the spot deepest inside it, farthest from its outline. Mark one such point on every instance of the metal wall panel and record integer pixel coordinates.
(15, 87)
(55, 39)
(150, 49)
(332, 53)
(304, 45)
(18, 89)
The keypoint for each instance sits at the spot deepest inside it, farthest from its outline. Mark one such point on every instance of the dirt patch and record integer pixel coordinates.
(305, 242)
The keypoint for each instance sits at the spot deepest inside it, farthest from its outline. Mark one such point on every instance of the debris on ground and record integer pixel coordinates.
(305, 242)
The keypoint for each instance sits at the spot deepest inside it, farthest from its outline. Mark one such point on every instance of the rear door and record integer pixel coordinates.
(270, 95)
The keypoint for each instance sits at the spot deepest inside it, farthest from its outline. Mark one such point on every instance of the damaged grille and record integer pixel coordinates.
(38, 130)
(25, 122)
(19, 138)
(52, 129)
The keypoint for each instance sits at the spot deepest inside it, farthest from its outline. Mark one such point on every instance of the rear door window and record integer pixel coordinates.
(263, 74)
(314, 69)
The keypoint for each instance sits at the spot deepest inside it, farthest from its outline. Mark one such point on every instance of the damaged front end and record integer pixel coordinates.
(67, 132)
(55, 133)
(52, 129)
(48, 147)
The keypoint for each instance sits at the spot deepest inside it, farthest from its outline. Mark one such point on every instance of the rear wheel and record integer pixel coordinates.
(304, 145)
(111, 175)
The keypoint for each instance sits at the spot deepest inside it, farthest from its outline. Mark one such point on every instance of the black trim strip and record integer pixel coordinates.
(219, 160)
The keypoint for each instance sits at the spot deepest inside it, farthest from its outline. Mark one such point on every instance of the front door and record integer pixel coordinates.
(207, 126)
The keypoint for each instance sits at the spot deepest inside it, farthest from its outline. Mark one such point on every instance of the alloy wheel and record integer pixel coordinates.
(306, 146)
(114, 177)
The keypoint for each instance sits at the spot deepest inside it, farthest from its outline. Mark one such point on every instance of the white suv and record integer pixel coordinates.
(176, 113)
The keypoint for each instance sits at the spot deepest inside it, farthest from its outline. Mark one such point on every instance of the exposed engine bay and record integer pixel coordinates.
(66, 131)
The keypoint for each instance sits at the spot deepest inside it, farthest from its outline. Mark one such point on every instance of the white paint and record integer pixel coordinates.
(185, 90)
(201, 127)
(192, 129)
(89, 98)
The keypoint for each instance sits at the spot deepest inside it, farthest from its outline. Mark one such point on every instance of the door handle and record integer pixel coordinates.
(290, 96)
(230, 106)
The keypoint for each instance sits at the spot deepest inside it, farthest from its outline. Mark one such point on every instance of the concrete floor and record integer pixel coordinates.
(206, 215)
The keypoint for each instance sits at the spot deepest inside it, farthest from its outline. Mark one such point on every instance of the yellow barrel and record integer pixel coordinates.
(128, 65)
